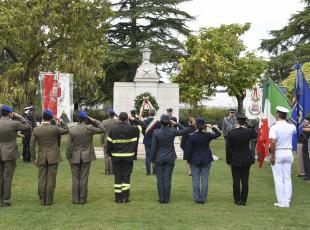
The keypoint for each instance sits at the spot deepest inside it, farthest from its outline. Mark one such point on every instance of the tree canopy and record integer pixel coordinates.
(137, 22)
(289, 45)
(52, 35)
(218, 57)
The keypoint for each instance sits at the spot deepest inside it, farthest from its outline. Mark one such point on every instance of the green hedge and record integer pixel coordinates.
(213, 116)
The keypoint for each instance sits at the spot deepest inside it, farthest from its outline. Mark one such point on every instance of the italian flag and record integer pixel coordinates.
(272, 97)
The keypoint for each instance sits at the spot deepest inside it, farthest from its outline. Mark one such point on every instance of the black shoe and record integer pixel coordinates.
(307, 179)
(6, 205)
(126, 201)
(118, 201)
(148, 174)
(161, 201)
(300, 175)
(243, 203)
(238, 202)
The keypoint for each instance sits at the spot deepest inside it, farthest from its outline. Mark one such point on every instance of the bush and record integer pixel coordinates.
(213, 116)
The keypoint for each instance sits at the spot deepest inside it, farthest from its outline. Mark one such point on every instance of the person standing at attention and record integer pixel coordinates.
(164, 155)
(172, 118)
(10, 124)
(189, 130)
(229, 123)
(281, 157)
(239, 157)
(199, 156)
(151, 124)
(46, 135)
(122, 141)
(80, 154)
(108, 124)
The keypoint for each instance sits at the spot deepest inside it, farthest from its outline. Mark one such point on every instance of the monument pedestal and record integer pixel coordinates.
(146, 80)
(166, 94)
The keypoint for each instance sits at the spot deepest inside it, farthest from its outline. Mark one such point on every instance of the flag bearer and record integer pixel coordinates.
(122, 140)
(281, 135)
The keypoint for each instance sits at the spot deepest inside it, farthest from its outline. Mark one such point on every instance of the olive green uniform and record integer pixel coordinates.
(81, 152)
(8, 154)
(47, 159)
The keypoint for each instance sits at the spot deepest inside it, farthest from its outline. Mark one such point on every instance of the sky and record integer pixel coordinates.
(265, 15)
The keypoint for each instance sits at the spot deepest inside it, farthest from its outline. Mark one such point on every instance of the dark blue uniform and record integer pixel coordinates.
(164, 155)
(199, 156)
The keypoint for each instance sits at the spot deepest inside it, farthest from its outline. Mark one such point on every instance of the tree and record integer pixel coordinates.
(289, 83)
(136, 22)
(289, 45)
(63, 35)
(217, 57)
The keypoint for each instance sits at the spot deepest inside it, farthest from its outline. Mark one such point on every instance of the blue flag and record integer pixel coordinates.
(301, 105)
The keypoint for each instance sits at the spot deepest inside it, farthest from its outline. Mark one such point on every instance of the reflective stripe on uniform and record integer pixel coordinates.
(140, 128)
(123, 154)
(118, 190)
(125, 187)
(117, 185)
(122, 140)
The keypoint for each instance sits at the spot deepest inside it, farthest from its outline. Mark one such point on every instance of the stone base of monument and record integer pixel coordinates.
(141, 150)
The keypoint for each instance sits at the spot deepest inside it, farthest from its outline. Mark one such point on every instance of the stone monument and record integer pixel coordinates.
(146, 80)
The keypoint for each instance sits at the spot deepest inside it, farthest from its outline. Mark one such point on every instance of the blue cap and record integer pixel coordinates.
(200, 122)
(111, 111)
(7, 108)
(165, 118)
(48, 113)
(82, 115)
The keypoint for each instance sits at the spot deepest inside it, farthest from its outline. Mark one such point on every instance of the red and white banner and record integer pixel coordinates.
(57, 94)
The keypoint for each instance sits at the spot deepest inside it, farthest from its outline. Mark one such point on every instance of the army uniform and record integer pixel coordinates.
(48, 158)
(9, 154)
(229, 123)
(121, 145)
(80, 153)
(108, 124)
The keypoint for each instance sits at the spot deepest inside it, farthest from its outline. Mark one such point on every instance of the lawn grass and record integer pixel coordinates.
(144, 212)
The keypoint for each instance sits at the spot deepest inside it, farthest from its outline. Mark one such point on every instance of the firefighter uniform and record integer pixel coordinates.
(121, 145)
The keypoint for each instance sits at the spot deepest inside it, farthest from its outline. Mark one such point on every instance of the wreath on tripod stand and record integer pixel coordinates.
(144, 102)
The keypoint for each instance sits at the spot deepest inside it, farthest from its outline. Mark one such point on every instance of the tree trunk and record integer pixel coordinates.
(240, 103)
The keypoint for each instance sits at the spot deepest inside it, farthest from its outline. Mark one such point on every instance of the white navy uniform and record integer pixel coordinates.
(283, 133)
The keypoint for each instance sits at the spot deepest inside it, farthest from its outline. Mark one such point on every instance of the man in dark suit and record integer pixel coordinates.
(172, 118)
(10, 124)
(80, 153)
(29, 116)
(48, 157)
(164, 155)
(151, 124)
(240, 158)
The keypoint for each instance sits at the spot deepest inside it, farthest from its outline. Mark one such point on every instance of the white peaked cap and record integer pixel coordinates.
(282, 109)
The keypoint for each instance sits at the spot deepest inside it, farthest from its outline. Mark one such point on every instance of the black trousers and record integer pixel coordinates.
(26, 149)
(122, 172)
(240, 174)
(305, 155)
(164, 177)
